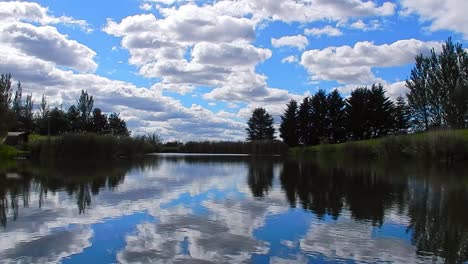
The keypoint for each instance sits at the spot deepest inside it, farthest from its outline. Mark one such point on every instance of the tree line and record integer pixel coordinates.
(17, 114)
(437, 99)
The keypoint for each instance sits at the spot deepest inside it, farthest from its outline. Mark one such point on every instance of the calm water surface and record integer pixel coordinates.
(232, 209)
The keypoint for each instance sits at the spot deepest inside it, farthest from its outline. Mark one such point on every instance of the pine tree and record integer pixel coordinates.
(260, 126)
(401, 116)
(336, 129)
(357, 114)
(289, 124)
(381, 112)
(304, 122)
(319, 118)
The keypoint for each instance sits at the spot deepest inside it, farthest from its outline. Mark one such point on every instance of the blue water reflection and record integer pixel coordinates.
(239, 209)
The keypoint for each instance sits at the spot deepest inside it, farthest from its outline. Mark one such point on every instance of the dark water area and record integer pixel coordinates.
(233, 209)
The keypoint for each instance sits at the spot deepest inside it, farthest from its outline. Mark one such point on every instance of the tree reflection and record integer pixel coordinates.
(260, 176)
(435, 206)
(81, 181)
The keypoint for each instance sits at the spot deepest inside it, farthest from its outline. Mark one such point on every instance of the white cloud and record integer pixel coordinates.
(46, 43)
(289, 59)
(328, 31)
(33, 12)
(298, 41)
(354, 65)
(361, 25)
(449, 14)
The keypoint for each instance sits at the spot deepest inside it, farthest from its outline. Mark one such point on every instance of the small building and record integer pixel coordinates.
(16, 138)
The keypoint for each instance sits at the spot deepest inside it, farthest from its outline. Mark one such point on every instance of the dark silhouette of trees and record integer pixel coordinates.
(84, 105)
(401, 116)
(319, 118)
(304, 123)
(117, 126)
(260, 126)
(289, 131)
(336, 117)
(100, 124)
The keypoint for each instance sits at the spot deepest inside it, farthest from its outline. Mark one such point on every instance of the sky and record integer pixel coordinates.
(195, 70)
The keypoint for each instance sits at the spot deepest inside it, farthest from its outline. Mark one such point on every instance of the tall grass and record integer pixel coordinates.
(445, 146)
(90, 146)
(7, 152)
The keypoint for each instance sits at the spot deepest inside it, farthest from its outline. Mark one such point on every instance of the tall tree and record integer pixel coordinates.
(336, 130)
(100, 123)
(304, 122)
(73, 116)
(319, 117)
(6, 116)
(289, 124)
(401, 116)
(418, 97)
(260, 126)
(117, 126)
(85, 106)
(357, 114)
(381, 110)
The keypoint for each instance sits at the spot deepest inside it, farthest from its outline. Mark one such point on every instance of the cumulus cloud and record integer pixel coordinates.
(449, 15)
(347, 64)
(297, 41)
(45, 42)
(33, 12)
(327, 30)
(361, 25)
(289, 59)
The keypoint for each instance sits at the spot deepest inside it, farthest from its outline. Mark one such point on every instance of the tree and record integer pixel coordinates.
(289, 125)
(58, 121)
(304, 122)
(117, 126)
(85, 106)
(418, 97)
(381, 112)
(319, 117)
(6, 116)
(401, 116)
(73, 116)
(438, 87)
(357, 114)
(336, 129)
(100, 123)
(260, 126)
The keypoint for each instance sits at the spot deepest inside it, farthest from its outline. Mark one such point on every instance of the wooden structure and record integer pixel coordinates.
(16, 138)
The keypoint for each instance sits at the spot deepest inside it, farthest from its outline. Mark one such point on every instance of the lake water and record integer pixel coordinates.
(233, 209)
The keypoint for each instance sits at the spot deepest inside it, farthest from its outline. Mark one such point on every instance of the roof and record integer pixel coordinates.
(16, 134)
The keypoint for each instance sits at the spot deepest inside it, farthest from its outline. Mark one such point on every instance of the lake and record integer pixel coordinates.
(233, 209)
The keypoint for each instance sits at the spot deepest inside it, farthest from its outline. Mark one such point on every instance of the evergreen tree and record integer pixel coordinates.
(336, 117)
(117, 126)
(381, 110)
(74, 121)
(357, 114)
(304, 122)
(260, 126)
(289, 124)
(100, 123)
(401, 116)
(319, 118)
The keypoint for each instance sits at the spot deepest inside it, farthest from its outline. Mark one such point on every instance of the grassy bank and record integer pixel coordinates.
(7, 152)
(259, 147)
(444, 146)
(89, 146)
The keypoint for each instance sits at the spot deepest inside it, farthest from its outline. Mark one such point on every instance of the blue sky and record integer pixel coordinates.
(193, 70)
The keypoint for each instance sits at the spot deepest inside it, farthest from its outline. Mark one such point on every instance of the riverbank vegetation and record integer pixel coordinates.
(369, 123)
(445, 146)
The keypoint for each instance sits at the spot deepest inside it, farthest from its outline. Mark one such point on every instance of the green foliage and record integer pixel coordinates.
(319, 117)
(336, 130)
(260, 126)
(92, 147)
(447, 146)
(7, 152)
(304, 123)
(289, 131)
(438, 87)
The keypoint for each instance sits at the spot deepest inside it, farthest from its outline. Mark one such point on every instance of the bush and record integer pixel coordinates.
(7, 152)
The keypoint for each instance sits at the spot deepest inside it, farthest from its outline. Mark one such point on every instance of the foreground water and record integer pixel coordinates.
(232, 209)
